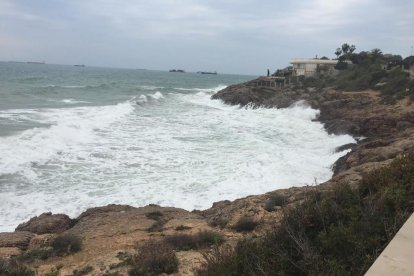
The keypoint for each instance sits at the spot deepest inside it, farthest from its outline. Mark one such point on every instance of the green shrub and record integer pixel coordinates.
(84, 271)
(195, 241)
(158, 226)
(275, 200)
(182, 228)
(155, 215)
(245, 224)
(153, 258)
(66, 244)
(36, 254)
(219, 221)
(337, 232)
(54, 271)
(13, 268)
(112, 274)
(218, 262)
(160, 220)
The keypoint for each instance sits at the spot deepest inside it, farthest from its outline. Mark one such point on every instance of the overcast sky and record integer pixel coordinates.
(228, 36)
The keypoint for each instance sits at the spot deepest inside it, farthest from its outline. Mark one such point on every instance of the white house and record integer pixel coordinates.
(308, 67)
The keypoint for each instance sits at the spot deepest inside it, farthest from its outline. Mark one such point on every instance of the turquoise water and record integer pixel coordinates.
(79, 137)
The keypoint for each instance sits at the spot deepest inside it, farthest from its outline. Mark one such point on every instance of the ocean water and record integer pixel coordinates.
(73, 138)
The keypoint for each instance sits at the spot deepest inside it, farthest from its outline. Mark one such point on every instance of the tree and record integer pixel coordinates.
(338, 52)
(376, 54)
(345, 51)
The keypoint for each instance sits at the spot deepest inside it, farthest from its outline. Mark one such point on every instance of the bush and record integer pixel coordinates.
(275, 200)
(156, 215)
(154, 258)
(217, 262)
(160, 220)
(337, 232)
(316, 82)
(66, 244)
(13, 268)
(200, 240)
(84, 271)
(182, 228)
(219, 221)
(36, 254)
(245, 224)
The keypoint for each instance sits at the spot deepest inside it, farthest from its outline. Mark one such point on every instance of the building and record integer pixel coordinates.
(309, 67)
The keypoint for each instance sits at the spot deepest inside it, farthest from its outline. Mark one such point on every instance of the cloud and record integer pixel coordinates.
(11, 10)
(231, 34)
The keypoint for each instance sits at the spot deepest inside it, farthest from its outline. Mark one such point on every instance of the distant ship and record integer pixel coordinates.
(177, 71)
(79, 65)
(35, 62)
(207, 73)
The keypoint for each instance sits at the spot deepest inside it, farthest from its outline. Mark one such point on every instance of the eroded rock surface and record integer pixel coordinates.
(19, 239)
(47, 223)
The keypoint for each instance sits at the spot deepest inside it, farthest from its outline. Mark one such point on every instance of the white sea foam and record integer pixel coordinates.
(72, 101)
(69, 127)
(142, 99)
(186, 151)
(65, 86)
(203, 90)
(150, 87)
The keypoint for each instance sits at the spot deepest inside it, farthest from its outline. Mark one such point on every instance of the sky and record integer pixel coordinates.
(227, 36)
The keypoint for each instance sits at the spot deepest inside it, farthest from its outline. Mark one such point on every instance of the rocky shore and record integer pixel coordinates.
(384, 132)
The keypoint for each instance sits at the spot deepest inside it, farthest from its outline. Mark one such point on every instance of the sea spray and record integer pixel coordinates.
(163, 140)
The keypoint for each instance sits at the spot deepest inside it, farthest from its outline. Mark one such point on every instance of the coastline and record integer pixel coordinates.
(388, 132)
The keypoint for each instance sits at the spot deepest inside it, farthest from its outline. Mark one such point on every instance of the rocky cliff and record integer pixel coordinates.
(109, 233)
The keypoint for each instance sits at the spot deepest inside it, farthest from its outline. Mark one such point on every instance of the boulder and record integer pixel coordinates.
(20, 239)
(6, 252)
(47, 223)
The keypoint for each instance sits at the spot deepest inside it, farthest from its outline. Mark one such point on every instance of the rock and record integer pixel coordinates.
(6, 252)
(404, 125)
(100, 211)
(345, 147)
(47, 223)
(19, 239)
(41, 241)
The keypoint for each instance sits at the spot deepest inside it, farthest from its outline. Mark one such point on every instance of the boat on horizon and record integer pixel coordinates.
(79, 65)
(207, 73)
(177, 71)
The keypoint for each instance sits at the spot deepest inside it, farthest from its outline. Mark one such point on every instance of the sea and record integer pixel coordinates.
(72, 138)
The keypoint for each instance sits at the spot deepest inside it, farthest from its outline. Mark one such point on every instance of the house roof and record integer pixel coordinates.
(313, 61)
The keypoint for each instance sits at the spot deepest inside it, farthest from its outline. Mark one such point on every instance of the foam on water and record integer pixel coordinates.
(184, 150)
(69, 128)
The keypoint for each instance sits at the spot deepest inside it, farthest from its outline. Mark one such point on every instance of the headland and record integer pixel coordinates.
(104, 240)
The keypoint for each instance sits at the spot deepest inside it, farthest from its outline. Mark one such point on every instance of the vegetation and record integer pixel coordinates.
(219, 221)
(112, 274)
(84, 271)
(54, 271)
(153, 258)
(340, 232)
(195, 241)
(35, 254)
(62, 245)
(275, 200)
(66, 244)
(13, 268)
(245, 224)
(160, 220)
(366, 70)
(182, 228)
